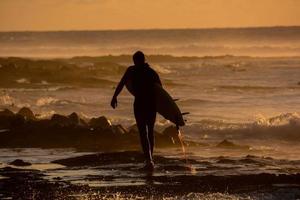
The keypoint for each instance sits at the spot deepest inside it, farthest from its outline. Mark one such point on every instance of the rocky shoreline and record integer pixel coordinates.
(24, 130)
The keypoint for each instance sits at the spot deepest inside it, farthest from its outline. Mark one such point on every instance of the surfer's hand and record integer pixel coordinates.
(114, 102)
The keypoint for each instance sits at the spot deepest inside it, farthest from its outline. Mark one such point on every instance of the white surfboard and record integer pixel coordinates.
(165, 104)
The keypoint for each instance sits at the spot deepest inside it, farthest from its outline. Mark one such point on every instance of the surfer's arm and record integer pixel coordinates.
(157, 79)
(119, 88)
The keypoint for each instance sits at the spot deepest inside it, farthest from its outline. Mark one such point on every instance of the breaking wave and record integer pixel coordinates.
(285, 127)
(47, 101)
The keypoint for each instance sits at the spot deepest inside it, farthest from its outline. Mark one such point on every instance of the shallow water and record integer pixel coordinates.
(170, 170)
(202, 161)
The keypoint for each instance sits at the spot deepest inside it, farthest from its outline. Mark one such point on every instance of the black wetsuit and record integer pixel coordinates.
(143, 79)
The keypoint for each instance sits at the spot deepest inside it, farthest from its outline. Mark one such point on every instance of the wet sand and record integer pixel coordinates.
(119, 175)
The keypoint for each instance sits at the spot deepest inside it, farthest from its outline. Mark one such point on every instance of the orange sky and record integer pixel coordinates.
(145, 14)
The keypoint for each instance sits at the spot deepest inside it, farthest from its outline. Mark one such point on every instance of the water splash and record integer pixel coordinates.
(190, 167)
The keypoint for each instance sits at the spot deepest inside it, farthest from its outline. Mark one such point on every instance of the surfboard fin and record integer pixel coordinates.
(185, 113)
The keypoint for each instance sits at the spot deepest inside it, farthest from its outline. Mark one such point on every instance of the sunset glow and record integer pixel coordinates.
(145, 14)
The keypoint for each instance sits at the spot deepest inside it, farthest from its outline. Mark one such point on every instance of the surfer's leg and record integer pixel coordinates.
(144, 139)
(141, 123)
(150, 125)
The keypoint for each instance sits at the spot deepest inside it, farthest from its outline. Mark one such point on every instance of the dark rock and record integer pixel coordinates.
(118, 129)
(228, 144)
(71, 131)
(225, 144)
(26, 113)
(100, 123)
(6, 113)
(18, 121)
(19, 162)
(60, 120)
(10, 120)
(76, 120)
(161, 140)
(6, 118)
(133, 130)
(73, 120)
(99, 159)
(82, 122)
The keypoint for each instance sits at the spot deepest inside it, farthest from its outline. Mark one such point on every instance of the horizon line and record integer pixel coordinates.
(153, 29)
(149, 55)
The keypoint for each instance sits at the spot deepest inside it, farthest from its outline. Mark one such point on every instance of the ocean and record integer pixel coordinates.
(238, 84)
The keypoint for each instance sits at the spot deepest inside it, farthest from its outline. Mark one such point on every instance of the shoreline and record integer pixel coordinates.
(141, 184)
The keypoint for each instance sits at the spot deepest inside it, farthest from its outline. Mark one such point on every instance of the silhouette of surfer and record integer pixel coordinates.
(142, 78)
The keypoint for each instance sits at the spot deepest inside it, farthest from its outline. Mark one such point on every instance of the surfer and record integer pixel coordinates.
(142, 78)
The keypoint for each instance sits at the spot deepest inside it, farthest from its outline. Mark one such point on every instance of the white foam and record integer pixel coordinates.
(43, 82)
(46, 114)
(44, 101)
(6, 100)
(282, 119)
(161, 69)
(23, 80)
